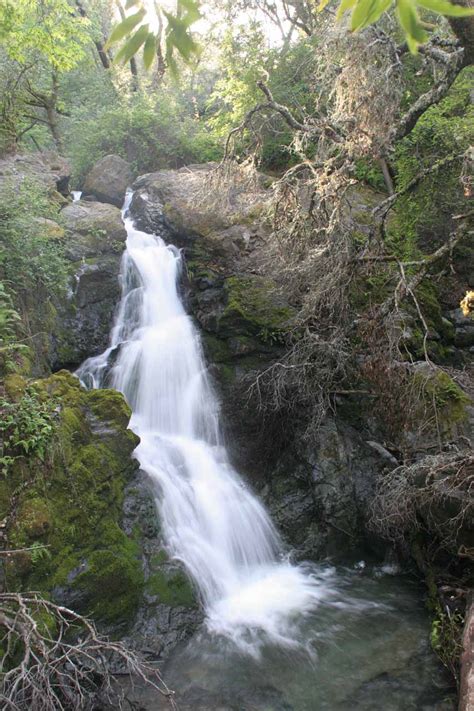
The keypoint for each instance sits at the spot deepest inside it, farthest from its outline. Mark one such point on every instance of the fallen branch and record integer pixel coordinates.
(55, 660)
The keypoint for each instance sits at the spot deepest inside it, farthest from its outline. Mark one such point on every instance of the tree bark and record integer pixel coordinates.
(463, 28)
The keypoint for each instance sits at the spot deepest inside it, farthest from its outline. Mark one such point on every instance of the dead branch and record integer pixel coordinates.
(410, 499)
(55, 660)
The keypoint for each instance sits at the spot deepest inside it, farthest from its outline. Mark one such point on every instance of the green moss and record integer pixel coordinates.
(113, 581)
(254, 308)
(172, 588)
(72, 502)
(450, 400)
(217, 350)
(446, 129)
(34, 518)
(110, 406)
(15, 386)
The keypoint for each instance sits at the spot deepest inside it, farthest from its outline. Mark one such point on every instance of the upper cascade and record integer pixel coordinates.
(211, 521)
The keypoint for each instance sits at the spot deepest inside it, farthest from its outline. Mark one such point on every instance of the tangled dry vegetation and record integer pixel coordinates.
(320, 250)
(54, 659)
(416, 497)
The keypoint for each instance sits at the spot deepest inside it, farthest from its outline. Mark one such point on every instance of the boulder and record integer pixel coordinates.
(463, 329)
(186, 202)
(108, 180)
(94, 243)
(46, 168)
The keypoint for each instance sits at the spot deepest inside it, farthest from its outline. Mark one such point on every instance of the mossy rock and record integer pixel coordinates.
(168, 583)
(72, 503)
(34, 518)
(254, 308)
(112, 585)
(449, 400)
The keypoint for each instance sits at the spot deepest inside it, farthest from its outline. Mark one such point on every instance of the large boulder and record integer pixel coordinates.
(192, 206)
(109, 179)
(46, 168)
(94, 243)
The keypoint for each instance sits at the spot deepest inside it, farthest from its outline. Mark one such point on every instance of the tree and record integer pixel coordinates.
(42, 40)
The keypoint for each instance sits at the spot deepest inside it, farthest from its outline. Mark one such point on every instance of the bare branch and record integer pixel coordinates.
(55, 660)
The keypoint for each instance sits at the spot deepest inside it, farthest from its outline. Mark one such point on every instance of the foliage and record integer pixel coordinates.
(137, 33)
(150, 134)
(47, 30)
(446, 129)
(9, 323)
(245, 57)
(467, 304)
(26, 428)
(31, 248)
(446, 638)
(367, 12)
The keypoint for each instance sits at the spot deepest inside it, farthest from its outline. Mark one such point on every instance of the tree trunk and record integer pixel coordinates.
(53, 127)
(463, 28)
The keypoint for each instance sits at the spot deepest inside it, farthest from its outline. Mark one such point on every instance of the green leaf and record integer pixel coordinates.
(366, 12)
(322, 5)
(410, 22)
(125, 27)
(345, 5)
(149, 50)
(192, 10)
(444, 7)
(131, 3)
(131, 47)
(179, 38)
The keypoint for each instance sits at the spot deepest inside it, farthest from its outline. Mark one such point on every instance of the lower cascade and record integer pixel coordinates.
(210, 520)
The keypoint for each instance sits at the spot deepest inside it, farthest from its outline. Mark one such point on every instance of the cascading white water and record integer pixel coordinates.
(210, 520)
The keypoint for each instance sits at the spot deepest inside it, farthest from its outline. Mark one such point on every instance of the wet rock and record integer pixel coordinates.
(108, 180)
(94, 243)
(168, 613)
(463, 329)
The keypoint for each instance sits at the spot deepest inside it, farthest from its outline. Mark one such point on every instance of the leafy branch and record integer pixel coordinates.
(367, 12)
(135, 30)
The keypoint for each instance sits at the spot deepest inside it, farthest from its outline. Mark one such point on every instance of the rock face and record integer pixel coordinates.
(46, 168)
(94, 243)
(318, 493)
(108, 180)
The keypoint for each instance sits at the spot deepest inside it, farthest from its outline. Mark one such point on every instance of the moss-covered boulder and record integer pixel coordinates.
(64, 503)
(85, 518)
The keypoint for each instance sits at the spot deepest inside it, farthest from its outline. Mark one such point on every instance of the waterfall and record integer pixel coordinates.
(211, 521)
